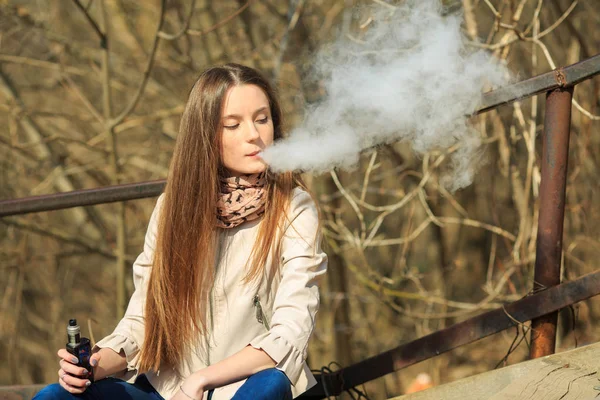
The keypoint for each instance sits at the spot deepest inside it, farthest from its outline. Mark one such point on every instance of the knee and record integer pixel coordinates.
(52, 392)
(275, 384)
(269, 384)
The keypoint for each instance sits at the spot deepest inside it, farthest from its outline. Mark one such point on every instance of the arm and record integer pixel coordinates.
(108, 362)
(240, 365)
(294, 309)
(119, 352)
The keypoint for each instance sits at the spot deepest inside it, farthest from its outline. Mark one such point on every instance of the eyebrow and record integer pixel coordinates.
(240, 117)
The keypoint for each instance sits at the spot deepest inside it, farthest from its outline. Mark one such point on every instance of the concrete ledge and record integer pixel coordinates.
(19, 392)
(568, 375)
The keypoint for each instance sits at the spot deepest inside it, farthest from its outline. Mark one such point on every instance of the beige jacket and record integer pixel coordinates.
(290, 306)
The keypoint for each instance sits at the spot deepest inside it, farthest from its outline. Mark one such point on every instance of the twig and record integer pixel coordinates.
(428, 210)
(74, 89)
(491, 7)
(57, 137)
(520, 35)
(445, 220)
(351, 201)
(138, 121)
(87, 15)
(363, 192)
(221, 22)
(585, 112)
(60, 235)
(383, 3)
(184, 29)
(478, 224)
(151, 57)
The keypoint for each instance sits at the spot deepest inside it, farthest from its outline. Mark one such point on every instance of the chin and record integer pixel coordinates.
(257, 170)
(252, 169)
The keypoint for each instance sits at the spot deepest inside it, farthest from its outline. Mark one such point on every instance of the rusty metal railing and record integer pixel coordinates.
(468, 331)
(541, 307)
(84, 197)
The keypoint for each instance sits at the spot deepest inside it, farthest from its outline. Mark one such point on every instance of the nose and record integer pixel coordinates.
(252, 133)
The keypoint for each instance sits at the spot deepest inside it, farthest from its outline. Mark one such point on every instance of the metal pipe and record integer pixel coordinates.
(560, 77)
(555, 151)
(86, 197)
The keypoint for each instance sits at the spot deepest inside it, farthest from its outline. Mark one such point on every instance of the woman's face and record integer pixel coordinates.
(247, 129)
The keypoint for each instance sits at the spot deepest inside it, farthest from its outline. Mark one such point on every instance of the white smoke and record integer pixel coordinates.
(411, 78)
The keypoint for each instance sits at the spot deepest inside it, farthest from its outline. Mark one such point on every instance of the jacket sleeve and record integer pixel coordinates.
(129, 333)
(296, 301)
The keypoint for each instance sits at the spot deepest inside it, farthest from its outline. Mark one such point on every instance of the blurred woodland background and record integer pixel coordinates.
(91, 93)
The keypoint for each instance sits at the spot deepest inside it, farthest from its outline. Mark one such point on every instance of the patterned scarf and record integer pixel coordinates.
(242, 199)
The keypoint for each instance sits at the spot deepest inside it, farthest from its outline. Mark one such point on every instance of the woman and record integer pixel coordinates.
(226, 287)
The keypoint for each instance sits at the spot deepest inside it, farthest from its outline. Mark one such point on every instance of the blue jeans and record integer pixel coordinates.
(270, 384)
(109, 388)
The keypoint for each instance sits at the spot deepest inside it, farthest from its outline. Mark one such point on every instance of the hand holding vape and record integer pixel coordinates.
(79, 347)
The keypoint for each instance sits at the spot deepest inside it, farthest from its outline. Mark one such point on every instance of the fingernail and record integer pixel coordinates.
(88, 383)
(94, 362)
(74, 359)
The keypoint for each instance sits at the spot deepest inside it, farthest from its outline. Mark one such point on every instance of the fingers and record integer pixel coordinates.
(73, 369)
(71, 377)
(94, 359)
(65, 355)
(72, 384)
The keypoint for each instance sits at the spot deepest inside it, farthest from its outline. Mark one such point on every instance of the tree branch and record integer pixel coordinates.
(147, 71)
(93, 23)
(184, 29)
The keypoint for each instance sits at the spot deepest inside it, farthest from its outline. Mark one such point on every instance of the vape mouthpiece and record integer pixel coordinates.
(73, 332)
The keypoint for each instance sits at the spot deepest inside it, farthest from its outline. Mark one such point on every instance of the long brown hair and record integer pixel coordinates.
(183, 266)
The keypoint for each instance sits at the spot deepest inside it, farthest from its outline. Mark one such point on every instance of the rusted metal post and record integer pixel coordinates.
(555, 150)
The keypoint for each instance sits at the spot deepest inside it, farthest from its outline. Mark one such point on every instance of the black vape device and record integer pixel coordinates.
(79, 347)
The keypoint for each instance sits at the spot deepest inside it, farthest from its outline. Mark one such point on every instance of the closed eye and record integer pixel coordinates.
(263, 121)
(231, 127)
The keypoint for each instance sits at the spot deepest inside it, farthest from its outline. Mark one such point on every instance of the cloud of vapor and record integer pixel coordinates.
(411, 79)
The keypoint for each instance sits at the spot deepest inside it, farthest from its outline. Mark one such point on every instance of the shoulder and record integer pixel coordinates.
(301, 202)
(302, 216)
(158, 206)
(154, 217)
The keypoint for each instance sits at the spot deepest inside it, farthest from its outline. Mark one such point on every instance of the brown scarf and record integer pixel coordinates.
(242, 199)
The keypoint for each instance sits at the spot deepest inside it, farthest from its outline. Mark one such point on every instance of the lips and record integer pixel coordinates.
(253, 154)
